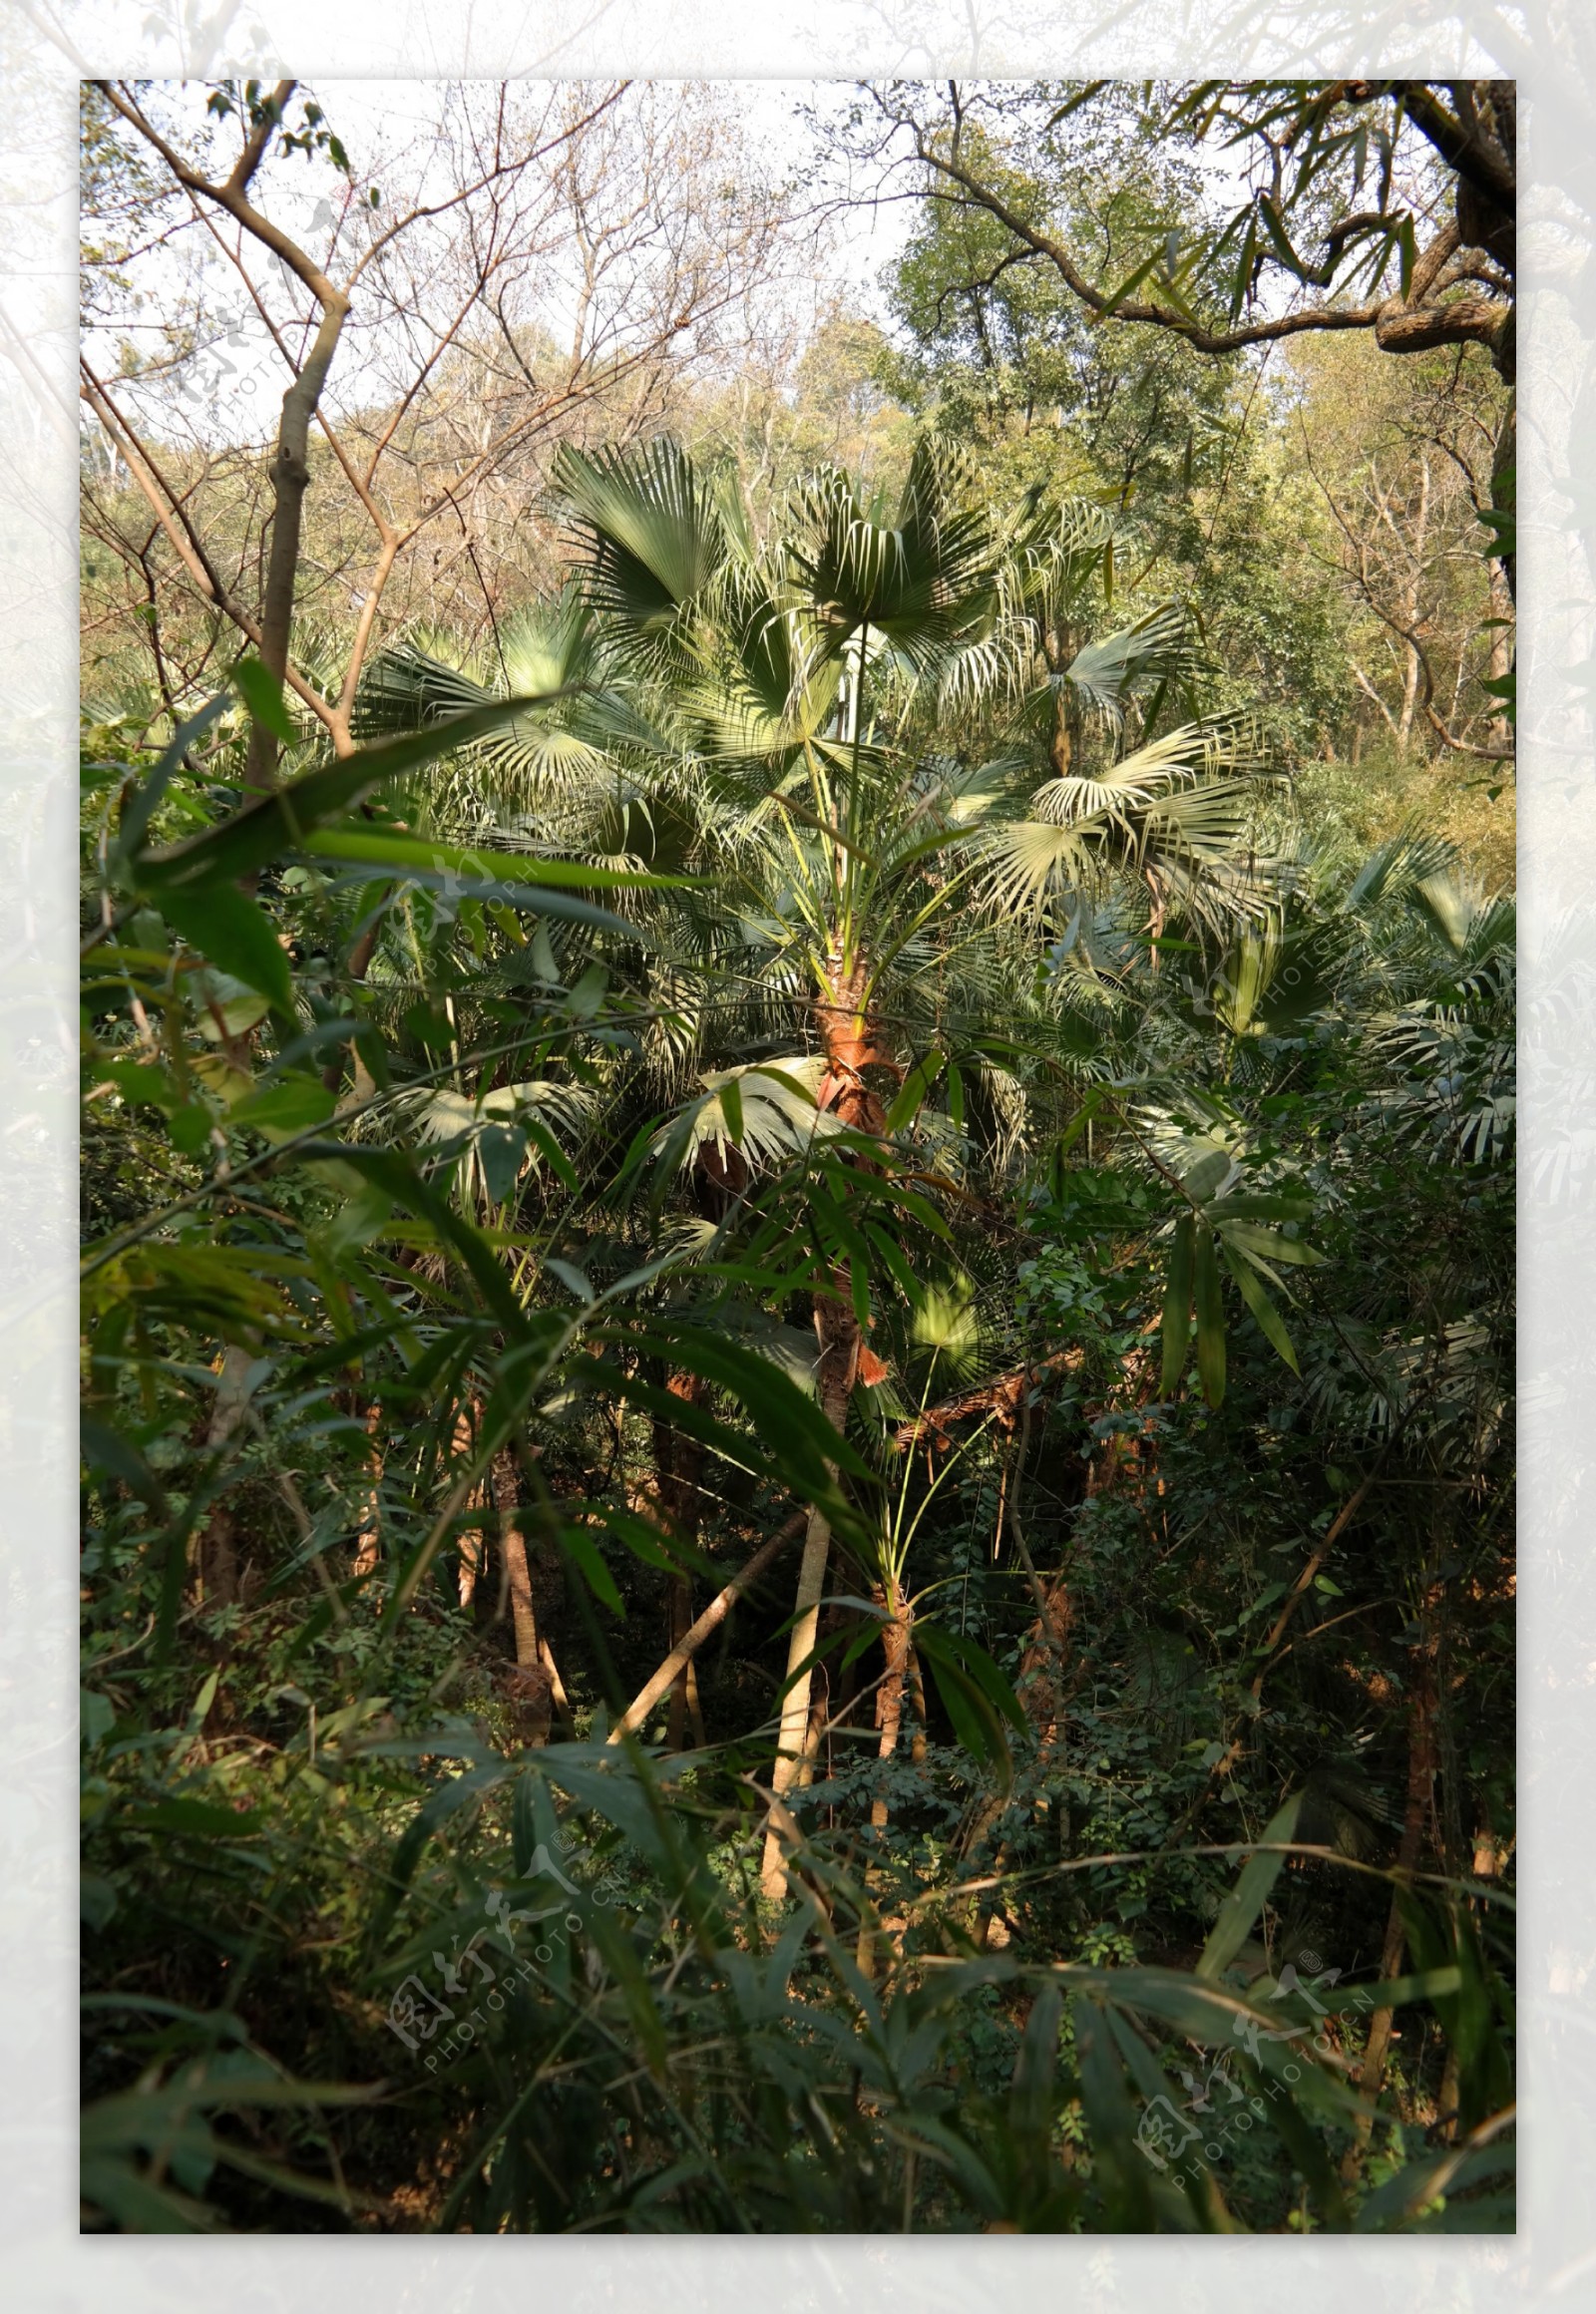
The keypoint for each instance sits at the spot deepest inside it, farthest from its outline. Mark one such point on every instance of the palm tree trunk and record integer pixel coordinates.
(916, 1695)
(889, 1718)
(889, 1700)
(855, 1043)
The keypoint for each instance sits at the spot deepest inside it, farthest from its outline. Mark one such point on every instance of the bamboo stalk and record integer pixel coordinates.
(712, 1617)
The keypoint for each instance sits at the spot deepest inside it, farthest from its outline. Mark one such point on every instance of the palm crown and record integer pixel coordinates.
(842, 728)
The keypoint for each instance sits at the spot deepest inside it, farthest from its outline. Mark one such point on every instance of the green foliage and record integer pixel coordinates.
(482, 1134)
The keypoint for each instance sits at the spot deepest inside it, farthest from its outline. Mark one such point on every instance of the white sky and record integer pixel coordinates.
(390, 131)
(232, 388)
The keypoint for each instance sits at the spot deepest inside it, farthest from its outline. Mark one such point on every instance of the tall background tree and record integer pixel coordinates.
(1386, 207)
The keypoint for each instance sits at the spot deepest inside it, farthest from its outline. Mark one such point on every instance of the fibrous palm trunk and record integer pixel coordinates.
(855, 1043)
(896, 1645)
(890, 1696)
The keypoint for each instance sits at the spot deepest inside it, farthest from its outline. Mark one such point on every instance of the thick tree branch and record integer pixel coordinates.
(1472, 157)
(290, 470)
(232, 196)
(1401, 324)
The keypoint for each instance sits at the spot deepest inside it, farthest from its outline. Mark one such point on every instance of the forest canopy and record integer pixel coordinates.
(797, 1157)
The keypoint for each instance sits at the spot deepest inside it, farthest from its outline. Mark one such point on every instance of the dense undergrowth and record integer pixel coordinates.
(685, 1097)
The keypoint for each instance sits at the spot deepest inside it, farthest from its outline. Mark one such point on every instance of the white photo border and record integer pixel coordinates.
(1550, 46)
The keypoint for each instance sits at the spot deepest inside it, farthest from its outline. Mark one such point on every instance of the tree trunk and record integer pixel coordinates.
(472, 1539)
(217, 1556)
(678, 1463)
(890, 1695)
(916, 1695)
(819, 1718)
(1502, 644)
(217, 1568)
(1421, 1762)
(855, 1043)
(685, 1707)
(1410, 604)
(290, 476)
(710, 1621)
(1503, 490)
(534, 1683)
(836, 1362)
(1041, 1683)
(889, 1718)
(368, 1535)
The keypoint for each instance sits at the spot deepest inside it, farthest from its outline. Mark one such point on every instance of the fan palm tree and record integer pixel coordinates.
(848, 721)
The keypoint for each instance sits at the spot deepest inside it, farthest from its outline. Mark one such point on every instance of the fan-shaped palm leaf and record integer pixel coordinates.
(1053, 551)
(1397, 867)
(438, 1114)
(648, 533)
(769, 1117)
(1157, 648)
(927, 578)
(1173, 813)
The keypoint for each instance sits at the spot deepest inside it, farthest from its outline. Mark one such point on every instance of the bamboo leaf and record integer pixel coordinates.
(1273, 1247)
(140, 807)
(730, 1094)
(262, 694)
(376, 847)
(1210, 1319)
(1177, 1306)
(1241, 1908)
(231, 932)
(913, 1090)
(274, 824)
(1269, 1319)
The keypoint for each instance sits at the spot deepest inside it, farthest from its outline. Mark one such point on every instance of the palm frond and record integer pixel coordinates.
(1397, 867)
(646, 533)
(778, 1117)
(1226, 745)
(1054, 550)
(1156, 648)
(1034, 861)
(439, 1114)
(925, 580)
